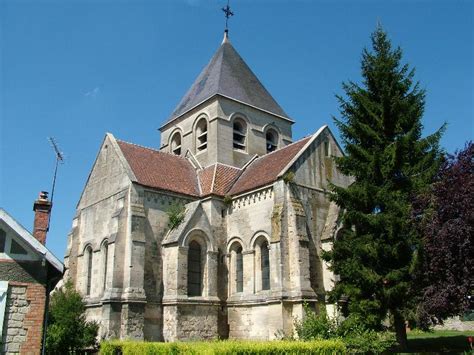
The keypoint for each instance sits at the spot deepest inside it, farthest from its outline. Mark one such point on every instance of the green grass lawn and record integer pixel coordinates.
(445, 341)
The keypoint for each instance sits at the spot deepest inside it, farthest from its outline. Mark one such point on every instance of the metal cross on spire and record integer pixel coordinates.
(228, 13)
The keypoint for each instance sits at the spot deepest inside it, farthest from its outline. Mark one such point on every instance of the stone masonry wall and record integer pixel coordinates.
(197, 322)
(24, 318)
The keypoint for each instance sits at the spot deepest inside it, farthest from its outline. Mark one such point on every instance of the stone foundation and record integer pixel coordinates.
(191, 321)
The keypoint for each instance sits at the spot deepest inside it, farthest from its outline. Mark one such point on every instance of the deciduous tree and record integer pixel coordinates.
(444, 216)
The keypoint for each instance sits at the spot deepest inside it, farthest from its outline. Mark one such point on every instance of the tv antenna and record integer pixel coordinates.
(59, 159)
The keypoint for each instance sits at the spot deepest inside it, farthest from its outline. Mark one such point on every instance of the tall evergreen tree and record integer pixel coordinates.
(389, 160)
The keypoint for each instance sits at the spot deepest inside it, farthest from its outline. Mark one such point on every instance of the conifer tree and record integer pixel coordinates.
(389, 160)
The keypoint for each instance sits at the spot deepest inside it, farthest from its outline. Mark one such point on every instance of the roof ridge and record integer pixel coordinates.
(286, 146)
(153, 150)
(230, 166)
(220, 71)
(214, 177)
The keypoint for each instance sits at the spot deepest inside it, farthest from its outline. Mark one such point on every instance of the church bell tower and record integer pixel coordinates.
(227, 116)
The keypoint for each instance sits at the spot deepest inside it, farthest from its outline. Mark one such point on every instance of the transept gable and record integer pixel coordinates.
(109, 175)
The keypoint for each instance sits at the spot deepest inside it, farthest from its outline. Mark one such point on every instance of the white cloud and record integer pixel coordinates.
(93, 93)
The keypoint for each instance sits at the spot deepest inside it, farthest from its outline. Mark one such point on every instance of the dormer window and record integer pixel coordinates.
(176, 143)
(201, 135)
(272, 140)
(240, 134)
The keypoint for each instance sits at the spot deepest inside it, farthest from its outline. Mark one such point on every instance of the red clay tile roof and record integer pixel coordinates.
(265, 170)
(224, 178)
(169, 172)
(206, 176)
(217, 179)
(161, 170)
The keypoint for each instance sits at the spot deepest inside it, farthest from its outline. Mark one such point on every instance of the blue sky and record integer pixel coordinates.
(75, 70)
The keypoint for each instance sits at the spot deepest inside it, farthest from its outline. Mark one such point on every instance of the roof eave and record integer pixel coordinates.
(31, 240)
(159, 189)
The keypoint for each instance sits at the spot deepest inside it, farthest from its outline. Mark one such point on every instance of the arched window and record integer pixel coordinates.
(240, 134)
(239, 271)
(265, 265)
(194, 269)
(88, 258)
(201, 135)
(272, 140)
(236, 268)
(105, 256)
(176, 143)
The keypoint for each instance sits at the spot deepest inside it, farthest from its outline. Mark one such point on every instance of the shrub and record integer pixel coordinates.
(319, 347)
(315, 326)
(357, 338)
(68, 331)
(369, 342)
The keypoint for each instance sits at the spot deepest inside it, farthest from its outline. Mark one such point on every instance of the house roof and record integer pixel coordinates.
(266, 169)
(228, 75)
(160, 170)
(31, 241)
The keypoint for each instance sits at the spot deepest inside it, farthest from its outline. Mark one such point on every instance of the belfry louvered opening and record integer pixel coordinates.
(201, 135)
(239, 134)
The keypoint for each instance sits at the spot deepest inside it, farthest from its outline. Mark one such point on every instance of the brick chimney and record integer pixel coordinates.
(42, 208)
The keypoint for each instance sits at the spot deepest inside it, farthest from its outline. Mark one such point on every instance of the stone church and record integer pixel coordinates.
(216, 234)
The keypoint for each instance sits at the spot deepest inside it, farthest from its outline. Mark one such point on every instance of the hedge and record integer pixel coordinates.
(319, 347)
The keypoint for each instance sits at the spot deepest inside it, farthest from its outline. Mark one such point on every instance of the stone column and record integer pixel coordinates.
(248, 257)
(275, 267)
(133, 297)
(298, 252)
(212, 260)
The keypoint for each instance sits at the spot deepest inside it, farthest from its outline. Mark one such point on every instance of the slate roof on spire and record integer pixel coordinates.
(228, 75)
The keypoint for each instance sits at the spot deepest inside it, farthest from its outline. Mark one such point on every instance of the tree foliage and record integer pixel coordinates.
(357, 338)
(68, 331)
(444, 216)
(389, 160)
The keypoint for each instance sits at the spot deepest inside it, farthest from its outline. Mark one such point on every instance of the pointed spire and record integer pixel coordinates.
(228, 75)
(226, 37)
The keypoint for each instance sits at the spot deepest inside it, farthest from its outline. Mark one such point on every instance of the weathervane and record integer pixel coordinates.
(228, 13)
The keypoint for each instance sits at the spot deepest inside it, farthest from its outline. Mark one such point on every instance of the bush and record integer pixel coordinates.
(315, 326)
(319, 347)
(369, 342)
(357, 338)
(68, 331)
